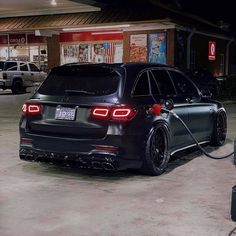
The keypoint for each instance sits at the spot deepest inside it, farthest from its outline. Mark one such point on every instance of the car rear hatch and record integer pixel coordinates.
(67, 97)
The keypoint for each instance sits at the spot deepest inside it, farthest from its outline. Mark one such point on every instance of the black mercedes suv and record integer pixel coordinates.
(98, 116)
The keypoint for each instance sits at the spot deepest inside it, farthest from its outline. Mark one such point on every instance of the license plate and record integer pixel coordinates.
(65, 113)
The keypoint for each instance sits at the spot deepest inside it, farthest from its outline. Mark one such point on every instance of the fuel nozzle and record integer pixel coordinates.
(163, 107)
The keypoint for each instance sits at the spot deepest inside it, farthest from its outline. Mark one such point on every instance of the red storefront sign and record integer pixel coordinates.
(212, 51)
(17, 38)
(3, 39)
(21, 39)
(90, 36)
(32, 39)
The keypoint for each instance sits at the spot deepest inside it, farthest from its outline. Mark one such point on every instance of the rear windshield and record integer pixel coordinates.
(81, 81)
(1, 65)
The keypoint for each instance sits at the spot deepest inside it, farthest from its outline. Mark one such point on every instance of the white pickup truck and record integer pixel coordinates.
(18, 75)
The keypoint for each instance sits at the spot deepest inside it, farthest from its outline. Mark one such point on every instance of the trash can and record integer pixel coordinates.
(233, 204)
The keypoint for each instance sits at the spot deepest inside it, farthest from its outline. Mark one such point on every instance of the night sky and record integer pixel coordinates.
(213, 10)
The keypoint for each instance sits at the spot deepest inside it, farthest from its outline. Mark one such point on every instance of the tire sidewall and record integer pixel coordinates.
(148, 164)
(17, 87)
(215, 139)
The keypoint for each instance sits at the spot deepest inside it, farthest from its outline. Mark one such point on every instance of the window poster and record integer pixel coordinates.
(104, 52)
(138, 48)
(157, 48)
(84, 53)
(69, 54)
(98, 53)
(118, 58)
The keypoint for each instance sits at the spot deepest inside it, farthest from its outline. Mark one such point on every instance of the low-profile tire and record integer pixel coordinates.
(157, 155)
(17, 87)
(220, 129)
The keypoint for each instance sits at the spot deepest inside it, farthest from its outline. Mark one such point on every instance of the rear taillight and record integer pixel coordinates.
(30, 109)
(114, 113)
(102, 113)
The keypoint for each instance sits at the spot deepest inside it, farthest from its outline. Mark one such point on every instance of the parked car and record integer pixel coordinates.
(99, 116)
(18, 75)
(205, 81)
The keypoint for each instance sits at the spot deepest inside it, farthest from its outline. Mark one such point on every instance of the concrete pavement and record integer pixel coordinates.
(191, 199)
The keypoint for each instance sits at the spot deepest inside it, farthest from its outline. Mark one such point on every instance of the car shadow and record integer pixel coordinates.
(183, 157)
(82, 174)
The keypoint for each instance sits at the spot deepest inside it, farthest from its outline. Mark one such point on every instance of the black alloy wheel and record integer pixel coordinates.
(220, 129)
(157, 155)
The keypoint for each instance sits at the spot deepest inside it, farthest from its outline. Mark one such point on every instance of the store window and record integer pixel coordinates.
(24, 47)
(19, 53)
(38, 55)
(107, 52)
(3, 53)
(96, 47)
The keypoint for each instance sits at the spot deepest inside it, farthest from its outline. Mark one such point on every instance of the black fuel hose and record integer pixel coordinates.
(194, 139)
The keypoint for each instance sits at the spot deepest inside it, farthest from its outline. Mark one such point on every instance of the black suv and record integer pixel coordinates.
(98, 116)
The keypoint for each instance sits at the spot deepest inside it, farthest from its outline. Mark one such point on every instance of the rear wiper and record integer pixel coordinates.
(78, 92)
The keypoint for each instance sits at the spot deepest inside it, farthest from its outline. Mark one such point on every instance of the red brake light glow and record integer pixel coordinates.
(113, 113)
(100, 112)
(31, 109)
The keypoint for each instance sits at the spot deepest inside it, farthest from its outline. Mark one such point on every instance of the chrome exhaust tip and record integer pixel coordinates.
(97, 165)
(107, 166)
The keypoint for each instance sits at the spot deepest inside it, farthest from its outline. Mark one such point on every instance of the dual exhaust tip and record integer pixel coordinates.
(102, 165)
(94, 164)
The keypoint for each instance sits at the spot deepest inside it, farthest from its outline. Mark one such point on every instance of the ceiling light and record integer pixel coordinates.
(53, 3)
(97, 27)
(109, 32)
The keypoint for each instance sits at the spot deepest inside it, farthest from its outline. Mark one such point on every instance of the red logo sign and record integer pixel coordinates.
(212, 51)
(17, 38)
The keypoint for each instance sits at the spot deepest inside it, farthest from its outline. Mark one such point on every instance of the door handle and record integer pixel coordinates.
(22, 73)
(32, 74)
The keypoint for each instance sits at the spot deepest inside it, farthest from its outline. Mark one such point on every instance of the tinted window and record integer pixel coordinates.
(154, 86)
(182, 84)
(1, 65)
(142, 86)
(81, 81)
(10, 66)
(33, 68)
(163, 83)
(24, 67)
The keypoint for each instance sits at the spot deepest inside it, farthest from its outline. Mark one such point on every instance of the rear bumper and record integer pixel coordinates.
(83, 153)
(95, 160)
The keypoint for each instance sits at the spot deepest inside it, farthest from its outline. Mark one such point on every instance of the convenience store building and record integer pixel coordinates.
(111, 35)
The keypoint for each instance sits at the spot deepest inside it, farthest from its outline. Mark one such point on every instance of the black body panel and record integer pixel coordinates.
(79, 140)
